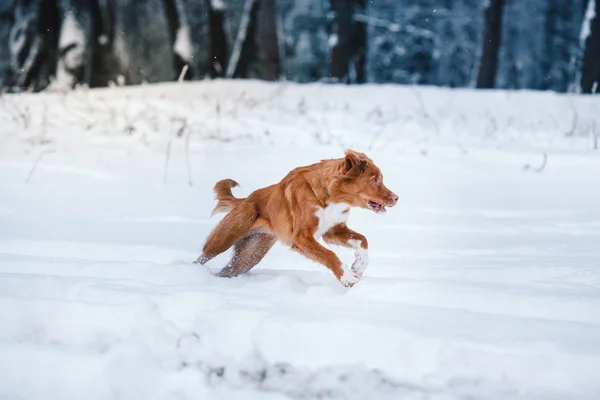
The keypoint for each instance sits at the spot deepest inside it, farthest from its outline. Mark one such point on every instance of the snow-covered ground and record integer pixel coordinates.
(484, 281)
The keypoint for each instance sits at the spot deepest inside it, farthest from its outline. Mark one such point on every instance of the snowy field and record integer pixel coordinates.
(484, 281)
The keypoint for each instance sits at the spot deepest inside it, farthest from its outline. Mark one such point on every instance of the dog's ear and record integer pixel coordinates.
(354, 163)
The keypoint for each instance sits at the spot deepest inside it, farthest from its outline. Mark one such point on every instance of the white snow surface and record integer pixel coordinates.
(483, 282)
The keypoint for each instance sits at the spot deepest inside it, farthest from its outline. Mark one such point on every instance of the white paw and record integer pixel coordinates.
(361, 260)
(349, 278)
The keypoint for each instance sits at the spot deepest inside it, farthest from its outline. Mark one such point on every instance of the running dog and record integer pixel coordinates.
(311, 202)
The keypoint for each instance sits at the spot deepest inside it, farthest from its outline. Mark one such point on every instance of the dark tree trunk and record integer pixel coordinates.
(75, 44)
(6, 22)
(304, 39)
(360, 45)
(341, 36)
(33, 42)
(190, 22)
(590, 72)
(218, 42)
(255, 51)
(104, 68)
(142, 44)
(550, 57)
(174, 23)
(491, 44)
(560, 50)
(269, 64)
(246, 66)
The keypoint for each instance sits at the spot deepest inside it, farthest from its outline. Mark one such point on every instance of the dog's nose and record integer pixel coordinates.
(394, 199)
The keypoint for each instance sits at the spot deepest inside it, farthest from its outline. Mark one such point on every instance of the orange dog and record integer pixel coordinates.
(309, 203)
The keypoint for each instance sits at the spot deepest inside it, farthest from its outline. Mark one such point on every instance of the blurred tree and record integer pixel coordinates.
(590, 73)
(267, 41)
(453, 43)
(431, 42)
(400, 44)
(347, 41)
(491, 44)
(142, 44)
(340, 39)
(33, 43)
(218, 38)
(75, 43)
(240, 34)
(457, 25)
(358, 64)
(304, 39)
(255, 49)
(560, 36)
(6, 21)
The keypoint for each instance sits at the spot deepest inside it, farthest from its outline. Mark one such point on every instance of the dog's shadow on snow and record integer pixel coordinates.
(302, 281)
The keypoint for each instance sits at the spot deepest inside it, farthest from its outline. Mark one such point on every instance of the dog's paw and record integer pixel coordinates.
(360, 262)
(349, 278)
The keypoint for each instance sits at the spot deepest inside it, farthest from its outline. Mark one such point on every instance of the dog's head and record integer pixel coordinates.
(361, 183)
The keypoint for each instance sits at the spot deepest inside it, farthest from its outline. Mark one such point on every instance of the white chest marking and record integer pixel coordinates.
(330, 216)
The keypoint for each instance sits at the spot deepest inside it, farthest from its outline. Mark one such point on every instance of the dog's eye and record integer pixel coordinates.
(375, 181)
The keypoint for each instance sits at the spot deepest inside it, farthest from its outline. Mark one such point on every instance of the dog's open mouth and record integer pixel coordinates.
(375, 206)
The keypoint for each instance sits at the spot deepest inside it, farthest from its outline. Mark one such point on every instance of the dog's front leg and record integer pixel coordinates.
(309, 247)
(343, 236)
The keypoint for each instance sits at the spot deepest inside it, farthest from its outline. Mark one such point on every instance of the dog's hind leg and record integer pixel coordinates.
(248, 251)
(232, 228)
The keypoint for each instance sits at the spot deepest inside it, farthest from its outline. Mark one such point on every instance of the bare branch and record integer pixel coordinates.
(182, 74)
(394, 27)
(35, 164)
(187, 157)
(167, 156)
(574, 124)
(541, 168)
(595, 135)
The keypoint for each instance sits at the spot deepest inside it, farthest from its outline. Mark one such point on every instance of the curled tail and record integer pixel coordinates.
(226, 200)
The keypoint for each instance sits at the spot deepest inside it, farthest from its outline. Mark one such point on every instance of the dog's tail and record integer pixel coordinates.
(226, 200)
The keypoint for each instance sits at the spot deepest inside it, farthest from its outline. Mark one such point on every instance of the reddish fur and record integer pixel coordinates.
(286, 212)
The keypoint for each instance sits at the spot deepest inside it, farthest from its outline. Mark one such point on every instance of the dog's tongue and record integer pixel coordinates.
(378, 208)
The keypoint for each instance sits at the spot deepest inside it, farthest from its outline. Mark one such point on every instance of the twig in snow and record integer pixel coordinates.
(595, 135)
(25, 116)
(180, 132)
(236, 103)
(183, 127)
(44, 124)
(11, 110)
(376, 135)
(571, 132)
(218, 111)
(186, 335)
(302, 106)
(493, 127)
(423, 110)
(167, 156)
(35, 164)
(187, 157)
(541, 167)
